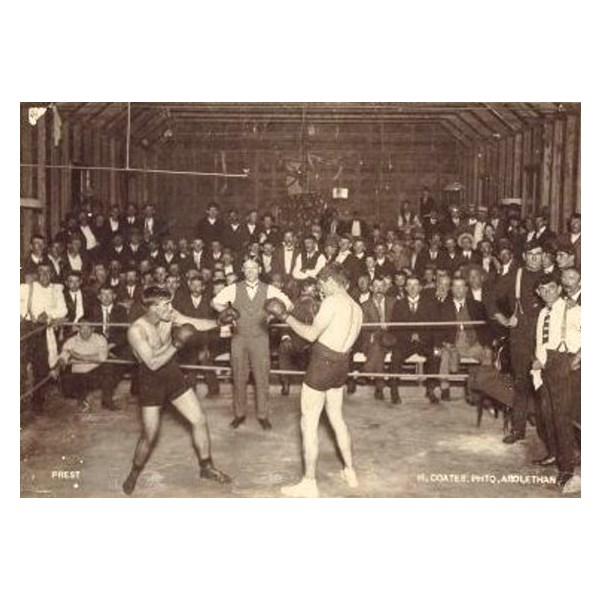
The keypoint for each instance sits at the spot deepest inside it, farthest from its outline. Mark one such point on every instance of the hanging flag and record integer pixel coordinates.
(56, 126)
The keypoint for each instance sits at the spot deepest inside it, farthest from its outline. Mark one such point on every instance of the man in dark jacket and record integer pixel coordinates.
(414, 307)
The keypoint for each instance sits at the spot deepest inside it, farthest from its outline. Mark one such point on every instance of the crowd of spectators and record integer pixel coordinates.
(433, 263)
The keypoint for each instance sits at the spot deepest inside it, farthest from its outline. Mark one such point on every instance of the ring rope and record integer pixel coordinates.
(370, 325)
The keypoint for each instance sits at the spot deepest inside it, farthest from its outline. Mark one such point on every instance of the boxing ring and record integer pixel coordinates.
(223, 370)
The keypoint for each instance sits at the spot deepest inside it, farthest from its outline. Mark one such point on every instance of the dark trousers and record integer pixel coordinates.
(37, 354)
(250, 354)
(375, 361)
(402, 351)
(78, 385)
(557, 409)
(521, 352)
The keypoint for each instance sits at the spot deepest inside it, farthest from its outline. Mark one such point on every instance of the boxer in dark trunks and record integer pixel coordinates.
(161, 382)
(334, 330)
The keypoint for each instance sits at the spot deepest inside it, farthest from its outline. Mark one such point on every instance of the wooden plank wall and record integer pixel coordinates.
(80, 144)
(184, 198)
(540, 164)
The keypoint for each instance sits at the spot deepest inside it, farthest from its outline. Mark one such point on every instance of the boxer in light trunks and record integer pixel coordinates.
(334, 330)
(161, 381)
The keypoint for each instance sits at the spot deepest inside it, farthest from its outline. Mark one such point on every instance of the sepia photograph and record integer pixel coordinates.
(300, 299)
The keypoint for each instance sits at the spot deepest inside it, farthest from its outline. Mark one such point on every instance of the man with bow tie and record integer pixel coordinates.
(250, 340)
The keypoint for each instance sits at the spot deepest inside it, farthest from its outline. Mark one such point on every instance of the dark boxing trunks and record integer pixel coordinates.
(163, 385)
(327, 368)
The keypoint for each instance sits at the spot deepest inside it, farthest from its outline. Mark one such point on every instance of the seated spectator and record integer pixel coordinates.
(565, 256)
(37, 253)
(330, 251)
(571, 284)
(266, 261)
(414, 307)
(77, 301)
(269, 232)
(98, 278)
(130, 290)
(429, 278)
(467, 255)
(183, 250)
(115, 277)
(85, 353)
(117, 250)
(462, 341)
(375, 343)
(160, 275)
(363, 289)
(359, 248)
(168, 256)
(75, 260)
(136, 249)
(56, 259)
(201, 348)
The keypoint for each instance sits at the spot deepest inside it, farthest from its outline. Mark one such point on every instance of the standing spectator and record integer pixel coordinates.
(517, 292)
(57, 261)
(91, 242)
(42, 303)
(557, 358)
(408, 219)
(309, 262)
(132, 220)
(37, 253)
(152, 225)
(211, 227)
(565, 256)
(426, 204)
(571, 284)
(574, 237)
(357, 227)
(269, 232)
(250, 340)
(233, 233)
(251, 229)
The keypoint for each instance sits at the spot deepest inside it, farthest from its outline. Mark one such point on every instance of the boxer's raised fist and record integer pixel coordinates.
(275, 307)
(228, 316)
(181, 335)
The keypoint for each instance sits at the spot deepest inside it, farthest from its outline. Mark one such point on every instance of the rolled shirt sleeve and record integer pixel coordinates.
(226, 295)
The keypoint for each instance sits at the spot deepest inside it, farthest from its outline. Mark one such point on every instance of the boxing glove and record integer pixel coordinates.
(275, 307)
(228, 316)
(181, 335)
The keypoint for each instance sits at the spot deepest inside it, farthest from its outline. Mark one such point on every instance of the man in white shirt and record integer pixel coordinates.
(85, 376)
(90, 239)
(250, 340)
(557, 359)
(42, 303)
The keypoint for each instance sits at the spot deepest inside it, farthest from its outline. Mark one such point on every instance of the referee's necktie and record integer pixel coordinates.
(546, 327)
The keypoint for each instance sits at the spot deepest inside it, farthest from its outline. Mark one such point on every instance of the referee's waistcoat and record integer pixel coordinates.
(253, 318)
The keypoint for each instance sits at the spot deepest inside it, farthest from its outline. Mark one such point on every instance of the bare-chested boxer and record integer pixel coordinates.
(162, 381)
(333, 331)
